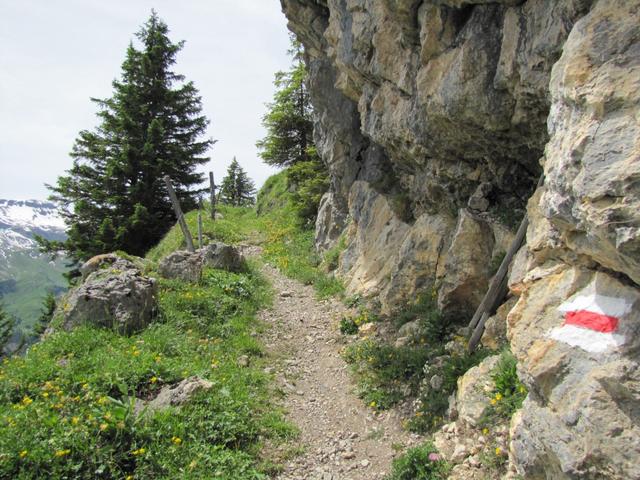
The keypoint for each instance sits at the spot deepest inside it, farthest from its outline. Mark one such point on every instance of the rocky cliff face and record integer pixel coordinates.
(436, 119)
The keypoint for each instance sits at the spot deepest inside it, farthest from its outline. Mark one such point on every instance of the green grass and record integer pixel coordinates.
(508, 393)
(237, 225)
(66, 407)
(383, 371)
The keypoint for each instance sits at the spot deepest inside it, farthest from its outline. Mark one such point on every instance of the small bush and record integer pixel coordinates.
(419, 463)
(434, 403)
(509, 392)
(348, 326)
(383, 371)
(434, 327)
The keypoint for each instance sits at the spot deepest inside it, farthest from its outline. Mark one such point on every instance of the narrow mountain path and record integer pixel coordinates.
(341, 438)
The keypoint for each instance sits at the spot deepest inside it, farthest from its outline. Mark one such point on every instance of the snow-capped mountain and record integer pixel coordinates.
(26, 275)
(21, 220)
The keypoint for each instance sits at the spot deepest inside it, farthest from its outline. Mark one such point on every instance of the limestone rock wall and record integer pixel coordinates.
(436, 118)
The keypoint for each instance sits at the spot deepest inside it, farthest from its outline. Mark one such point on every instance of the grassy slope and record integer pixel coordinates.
(66, 407)
(66, 410)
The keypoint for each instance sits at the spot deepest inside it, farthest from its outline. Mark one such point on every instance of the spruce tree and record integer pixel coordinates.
(289, 140)
(113, 197)
(7, 324)
(237, 188)
(289, 121)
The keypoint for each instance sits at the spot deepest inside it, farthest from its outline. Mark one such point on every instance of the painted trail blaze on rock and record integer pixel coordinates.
(591, 322)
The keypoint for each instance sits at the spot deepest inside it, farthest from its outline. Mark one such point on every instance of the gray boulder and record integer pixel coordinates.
(222, 256)
(188, 266)
(115, 295)
(181, 265)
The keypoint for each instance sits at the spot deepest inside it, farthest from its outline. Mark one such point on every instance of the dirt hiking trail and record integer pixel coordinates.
(340, 438)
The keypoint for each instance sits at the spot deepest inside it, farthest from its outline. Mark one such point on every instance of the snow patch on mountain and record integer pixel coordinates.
(22, 220)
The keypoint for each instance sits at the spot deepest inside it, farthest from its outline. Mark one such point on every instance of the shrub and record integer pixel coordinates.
(384, 370)
(509, 392)
(419, 463)
(434, 403)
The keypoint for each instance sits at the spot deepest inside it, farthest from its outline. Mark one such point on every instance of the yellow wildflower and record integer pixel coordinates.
(103, 427)
(23, 453)
(62, 453)
(493, 401)
(372, 404)
(135, 353)
(45, 394)
(102, 400)
(176, 440)
(85, 386)
(75, 420)
(485, 431)
(153, 379)
(498, 451)
(129, 477)
(498, 396)
(140, 451)
(157, 358)
(522, 389)
(26, 401)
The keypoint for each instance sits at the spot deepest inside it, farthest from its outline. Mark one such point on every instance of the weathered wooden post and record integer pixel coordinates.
(200, 223)
(178, 212)
(212, 193)
(499, 285)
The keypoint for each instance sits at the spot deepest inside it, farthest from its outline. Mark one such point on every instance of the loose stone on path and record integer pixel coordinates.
(341, 437)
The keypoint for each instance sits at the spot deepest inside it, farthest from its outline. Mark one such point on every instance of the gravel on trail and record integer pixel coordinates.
(340, 437)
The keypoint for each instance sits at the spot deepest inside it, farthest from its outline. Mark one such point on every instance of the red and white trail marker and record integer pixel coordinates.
(591, 322)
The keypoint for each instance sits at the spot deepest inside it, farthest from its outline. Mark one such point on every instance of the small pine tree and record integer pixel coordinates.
(46, 314)
(114, 198)
(237, 188)
(7, 324)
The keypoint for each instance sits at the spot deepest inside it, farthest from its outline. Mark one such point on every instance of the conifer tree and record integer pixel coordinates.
(289, 121)
(46, 314)
(7, 324)
(113, 197)
(237, 188)
(289, 140)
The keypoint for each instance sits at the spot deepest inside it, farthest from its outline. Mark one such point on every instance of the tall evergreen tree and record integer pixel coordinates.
(289, 140)
(113, 198)
(237, 188)
(289, 122)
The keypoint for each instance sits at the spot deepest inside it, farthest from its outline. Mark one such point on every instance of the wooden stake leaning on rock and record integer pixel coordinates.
(498, 287)
(179, 215)
(212, 193)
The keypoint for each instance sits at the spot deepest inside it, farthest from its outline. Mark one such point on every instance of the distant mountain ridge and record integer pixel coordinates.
(26, 275)
(22, 220)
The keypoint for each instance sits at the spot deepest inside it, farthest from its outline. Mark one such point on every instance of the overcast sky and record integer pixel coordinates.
(55, 55)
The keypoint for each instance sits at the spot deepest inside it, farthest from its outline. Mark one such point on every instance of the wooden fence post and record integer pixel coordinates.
(212, 193)
(178, 212)
(200, 223)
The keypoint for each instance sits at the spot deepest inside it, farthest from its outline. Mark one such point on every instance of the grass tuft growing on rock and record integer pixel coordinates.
(509, 392)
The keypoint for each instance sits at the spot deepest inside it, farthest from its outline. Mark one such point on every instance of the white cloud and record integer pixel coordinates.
(54, 56)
